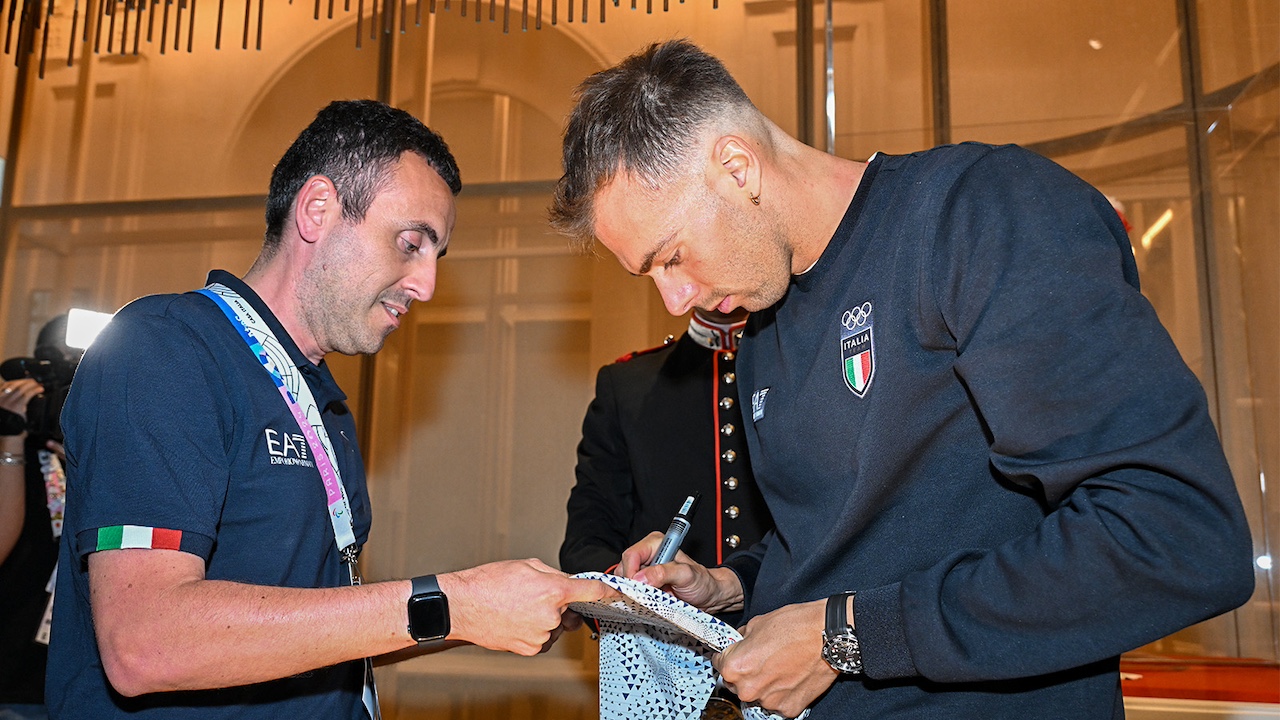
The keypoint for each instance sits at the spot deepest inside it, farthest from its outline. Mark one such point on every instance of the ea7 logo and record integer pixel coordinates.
(757, 404)
(287, 448)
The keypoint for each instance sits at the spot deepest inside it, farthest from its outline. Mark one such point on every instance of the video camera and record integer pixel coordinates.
(54, 373)
(58, 350)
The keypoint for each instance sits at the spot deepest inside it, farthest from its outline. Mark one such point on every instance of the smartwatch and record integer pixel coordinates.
(428, 610)
(840, 646)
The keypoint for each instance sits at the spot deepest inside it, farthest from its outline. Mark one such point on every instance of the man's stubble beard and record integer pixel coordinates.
(324, 307)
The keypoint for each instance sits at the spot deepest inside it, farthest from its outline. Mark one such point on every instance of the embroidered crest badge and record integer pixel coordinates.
(857, 348)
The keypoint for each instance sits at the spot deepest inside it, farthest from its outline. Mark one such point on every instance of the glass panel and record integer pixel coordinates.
(1244, 212)
(880, 72)
(478, 405)
(8, 80)
(121, 126)
(1238, 38)
(1024, 72)
(1117, 119)
(69, 257)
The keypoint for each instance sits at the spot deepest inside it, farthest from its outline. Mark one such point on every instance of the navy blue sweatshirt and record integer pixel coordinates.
(967, 413)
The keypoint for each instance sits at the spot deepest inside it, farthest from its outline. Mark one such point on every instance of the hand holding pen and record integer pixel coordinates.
(651, 561)
(677, 531)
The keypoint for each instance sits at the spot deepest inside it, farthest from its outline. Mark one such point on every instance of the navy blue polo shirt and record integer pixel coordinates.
(175, 433)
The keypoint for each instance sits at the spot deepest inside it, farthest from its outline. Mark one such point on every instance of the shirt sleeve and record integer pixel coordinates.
(600, 505)
(1088, 406)
(146, 438)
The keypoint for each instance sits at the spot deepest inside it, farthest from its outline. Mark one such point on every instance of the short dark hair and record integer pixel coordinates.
(354, 143)
(641, 117)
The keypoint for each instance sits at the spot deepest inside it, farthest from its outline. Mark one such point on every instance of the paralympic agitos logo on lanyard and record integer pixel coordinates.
(857, 348)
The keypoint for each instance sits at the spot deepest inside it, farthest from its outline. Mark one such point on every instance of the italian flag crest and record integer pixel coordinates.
(857, 348)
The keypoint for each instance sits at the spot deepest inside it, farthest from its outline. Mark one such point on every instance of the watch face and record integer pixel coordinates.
(843, 653)
(428, 617)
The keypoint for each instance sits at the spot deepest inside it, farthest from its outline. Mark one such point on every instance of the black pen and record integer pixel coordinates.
(676, 532)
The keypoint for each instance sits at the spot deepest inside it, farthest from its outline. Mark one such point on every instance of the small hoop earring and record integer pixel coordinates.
(755, 199)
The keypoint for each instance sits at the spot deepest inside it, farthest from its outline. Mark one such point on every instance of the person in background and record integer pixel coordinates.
(32, 494)
(665, 423)
(989, 469)
(217, 499)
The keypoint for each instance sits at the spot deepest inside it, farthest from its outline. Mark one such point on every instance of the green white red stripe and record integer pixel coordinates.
(121, 537)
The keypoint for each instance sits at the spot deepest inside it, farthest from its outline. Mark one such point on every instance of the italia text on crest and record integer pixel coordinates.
(857, 348)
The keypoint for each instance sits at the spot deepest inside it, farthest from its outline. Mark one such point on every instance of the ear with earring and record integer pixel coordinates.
(755, 199)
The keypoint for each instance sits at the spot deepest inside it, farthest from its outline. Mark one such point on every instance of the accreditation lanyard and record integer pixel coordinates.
(296, 393)
(293, 388)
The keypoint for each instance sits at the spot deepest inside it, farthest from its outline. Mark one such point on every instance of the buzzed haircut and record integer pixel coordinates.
(354, 143)
(640, 117)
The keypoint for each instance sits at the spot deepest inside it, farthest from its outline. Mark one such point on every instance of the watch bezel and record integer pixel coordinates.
(842, 651)
(428, 611)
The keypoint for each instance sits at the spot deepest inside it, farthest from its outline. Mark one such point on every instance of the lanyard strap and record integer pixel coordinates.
(293, 388)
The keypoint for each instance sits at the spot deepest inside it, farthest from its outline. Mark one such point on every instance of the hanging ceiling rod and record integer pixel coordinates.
(29, 21)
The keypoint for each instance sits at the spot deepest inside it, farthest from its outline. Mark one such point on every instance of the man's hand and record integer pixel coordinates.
(778, 663)
(712, 590)
(15, 394)
(519, 606)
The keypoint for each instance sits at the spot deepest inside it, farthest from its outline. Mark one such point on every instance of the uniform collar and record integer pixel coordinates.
(713, 335)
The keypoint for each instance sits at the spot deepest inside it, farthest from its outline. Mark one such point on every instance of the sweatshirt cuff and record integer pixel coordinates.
(746, 568)
(877, 621)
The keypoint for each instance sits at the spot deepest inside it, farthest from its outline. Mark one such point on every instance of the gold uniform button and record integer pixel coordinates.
(733, 512)
(727, 357)
(727, 429)
(726, 403)
(733, 541)
(731, 483)
(729, 456)
(730, 378)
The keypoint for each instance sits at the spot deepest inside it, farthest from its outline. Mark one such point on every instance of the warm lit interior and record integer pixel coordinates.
(133, 174)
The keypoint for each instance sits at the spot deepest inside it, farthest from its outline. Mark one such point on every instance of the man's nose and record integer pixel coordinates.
(420, 283)
(677, 294)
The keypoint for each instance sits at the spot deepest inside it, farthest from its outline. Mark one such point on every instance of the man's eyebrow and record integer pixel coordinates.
(647, 265)
(426, 229)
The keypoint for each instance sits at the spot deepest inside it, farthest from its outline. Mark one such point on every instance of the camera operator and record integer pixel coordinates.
(32, 488)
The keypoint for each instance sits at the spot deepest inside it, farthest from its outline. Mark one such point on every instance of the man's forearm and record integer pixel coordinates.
(202, 634)
(13, 493)
(161, 626)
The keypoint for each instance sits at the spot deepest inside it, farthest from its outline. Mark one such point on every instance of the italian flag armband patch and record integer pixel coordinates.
(121, 537)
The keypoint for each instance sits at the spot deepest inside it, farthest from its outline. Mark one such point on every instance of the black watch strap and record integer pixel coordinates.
(425, 584)
(840, 647)
(837, 613)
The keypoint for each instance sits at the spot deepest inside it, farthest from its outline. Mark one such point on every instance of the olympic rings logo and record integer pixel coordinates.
(854, 317)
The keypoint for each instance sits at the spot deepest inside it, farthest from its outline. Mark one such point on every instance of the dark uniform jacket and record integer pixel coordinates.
(664, 423)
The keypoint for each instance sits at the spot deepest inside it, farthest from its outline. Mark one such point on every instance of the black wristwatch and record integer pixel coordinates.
(839, 645)
(428, 610)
